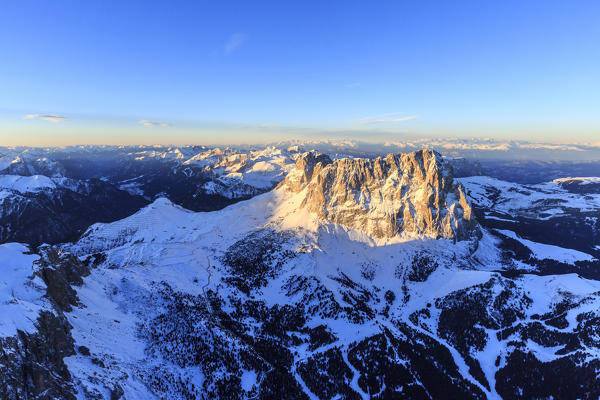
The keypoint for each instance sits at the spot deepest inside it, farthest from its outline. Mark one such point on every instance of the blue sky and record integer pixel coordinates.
(210, 72)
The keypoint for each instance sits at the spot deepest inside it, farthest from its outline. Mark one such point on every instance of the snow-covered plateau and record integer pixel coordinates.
(298, 275)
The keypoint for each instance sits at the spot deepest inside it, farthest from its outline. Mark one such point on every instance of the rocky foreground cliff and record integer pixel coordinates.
(402, 193)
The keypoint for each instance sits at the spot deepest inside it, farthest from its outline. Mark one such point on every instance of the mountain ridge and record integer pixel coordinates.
(406, 192)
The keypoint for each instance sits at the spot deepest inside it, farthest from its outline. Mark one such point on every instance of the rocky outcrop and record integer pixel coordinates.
(32, 363)
(412, 192)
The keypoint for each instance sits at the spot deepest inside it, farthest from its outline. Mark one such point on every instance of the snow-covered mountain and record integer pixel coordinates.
(234, 173)
(53, 195)
(351, 279)
(38, 209)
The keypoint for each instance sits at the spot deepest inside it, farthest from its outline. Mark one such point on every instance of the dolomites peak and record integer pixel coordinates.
(384, 197)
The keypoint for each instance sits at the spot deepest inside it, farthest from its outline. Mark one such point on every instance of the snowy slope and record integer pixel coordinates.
(25, 184)
(21, 293)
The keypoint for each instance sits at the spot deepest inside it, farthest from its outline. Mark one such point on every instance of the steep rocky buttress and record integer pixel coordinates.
(412, 192)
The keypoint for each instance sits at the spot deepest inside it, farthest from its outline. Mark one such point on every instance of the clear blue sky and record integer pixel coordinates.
(249, 71)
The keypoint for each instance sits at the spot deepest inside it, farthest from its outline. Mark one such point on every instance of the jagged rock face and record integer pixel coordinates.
(412, 192)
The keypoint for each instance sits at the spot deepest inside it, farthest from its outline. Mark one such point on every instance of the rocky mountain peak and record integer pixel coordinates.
(411, 192)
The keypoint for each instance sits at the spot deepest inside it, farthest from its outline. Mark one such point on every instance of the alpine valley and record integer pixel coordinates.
(295, 271)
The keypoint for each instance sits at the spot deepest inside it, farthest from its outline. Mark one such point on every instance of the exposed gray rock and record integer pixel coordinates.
(31, 364)
(412, 192)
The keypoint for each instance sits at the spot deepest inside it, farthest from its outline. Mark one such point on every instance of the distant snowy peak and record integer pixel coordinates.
(164, 154)
(26, 184)
(402, 193)
(29, 164)
(205, 158)
(261, 169)
(239, 174)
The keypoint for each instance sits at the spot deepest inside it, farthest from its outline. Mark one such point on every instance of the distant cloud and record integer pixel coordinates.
(151, 123)
(386, 118)
(353, 85)
(235, 41)
(387, 115)
(46, 117)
